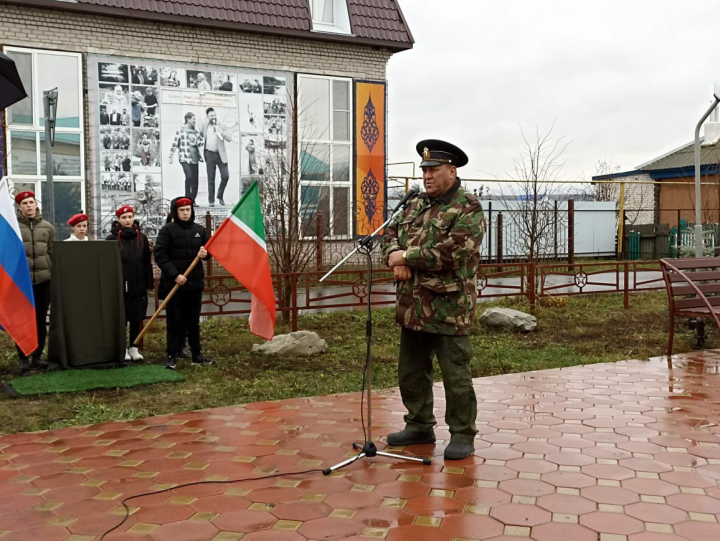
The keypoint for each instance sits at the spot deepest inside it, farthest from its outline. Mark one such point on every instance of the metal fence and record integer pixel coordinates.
(304, 294)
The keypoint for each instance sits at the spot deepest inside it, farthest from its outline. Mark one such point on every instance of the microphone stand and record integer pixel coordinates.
(368, 448)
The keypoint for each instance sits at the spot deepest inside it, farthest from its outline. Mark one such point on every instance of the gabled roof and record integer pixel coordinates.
(684, 157)
(676, 162)
(373, 22)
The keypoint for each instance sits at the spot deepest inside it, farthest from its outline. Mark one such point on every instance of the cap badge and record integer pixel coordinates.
(426, 154)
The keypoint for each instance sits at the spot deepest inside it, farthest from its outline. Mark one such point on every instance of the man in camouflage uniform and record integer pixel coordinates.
(433, 248)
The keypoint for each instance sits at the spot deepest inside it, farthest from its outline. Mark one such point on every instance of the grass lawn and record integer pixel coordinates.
(581, 331)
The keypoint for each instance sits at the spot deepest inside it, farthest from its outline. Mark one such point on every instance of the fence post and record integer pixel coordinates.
(531, 285)
(626, 286)
(499, 241)
(571, 235)
(555, 228)
(489, 237)
(293, 301)
(320, 232)
(209, 229)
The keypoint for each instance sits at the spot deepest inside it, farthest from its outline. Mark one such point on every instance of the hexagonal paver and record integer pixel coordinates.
(554, 531)
(611, 523)
(300, 510)
(608, 471)
(487, 472)
(687, 479)
(487, 497)
(185, 531)
(698, 531)
(244, 521)
(610, 495)
(469, 526)
(526, 487)
(566, 504)
(434, 506)
(531, 465)
(695, 503)
(353, 500)
(515, 514)
(656, 512)
(570, 459)
(163, 514)
(568, 479)
(651, 487)
(330, 528)
(384, 517)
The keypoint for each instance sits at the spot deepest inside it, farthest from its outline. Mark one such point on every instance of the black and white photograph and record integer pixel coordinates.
(116, 99)
(224, 82)
(252, 153)
(274, 85)
(114, 138)
(148, 185)
(251, 84)
(199, 80)
(274, 105)
(275, 125)
(146, 150)
(117, 183)
(145, 107)
(119, 161)
(144, 75)
(113, 73)
(251, 113)
(173, 77)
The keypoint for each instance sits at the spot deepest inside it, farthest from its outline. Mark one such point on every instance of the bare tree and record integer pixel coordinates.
(531, 199)
(606, 190)
(295, 215)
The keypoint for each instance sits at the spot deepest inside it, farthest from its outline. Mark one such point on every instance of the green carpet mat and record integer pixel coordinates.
(72, 381)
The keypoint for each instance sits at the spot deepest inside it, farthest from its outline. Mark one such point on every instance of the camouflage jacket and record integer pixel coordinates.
(441, 238)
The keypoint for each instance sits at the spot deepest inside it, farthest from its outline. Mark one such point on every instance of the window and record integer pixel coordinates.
(42, 70)
(325, 144)
(330, 16)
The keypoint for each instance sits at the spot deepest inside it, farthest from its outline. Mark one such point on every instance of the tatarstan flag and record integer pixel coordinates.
(239, 246)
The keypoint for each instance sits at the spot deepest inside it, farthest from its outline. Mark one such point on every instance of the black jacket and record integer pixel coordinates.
(176, 247)
(136, 259)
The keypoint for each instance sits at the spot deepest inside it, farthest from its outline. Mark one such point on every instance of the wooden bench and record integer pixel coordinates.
(693, 289)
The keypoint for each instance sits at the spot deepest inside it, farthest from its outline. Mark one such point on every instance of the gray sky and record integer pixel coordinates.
(622, 80)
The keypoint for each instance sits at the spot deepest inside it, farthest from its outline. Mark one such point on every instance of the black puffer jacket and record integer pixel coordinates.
(136, 258)
(176, 247)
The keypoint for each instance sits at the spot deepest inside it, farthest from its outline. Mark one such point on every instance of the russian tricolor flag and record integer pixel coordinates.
(17, 304)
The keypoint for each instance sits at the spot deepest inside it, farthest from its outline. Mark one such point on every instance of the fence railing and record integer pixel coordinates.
(302, 293)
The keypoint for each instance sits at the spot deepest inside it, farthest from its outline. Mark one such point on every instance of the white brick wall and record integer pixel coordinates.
(639, 198)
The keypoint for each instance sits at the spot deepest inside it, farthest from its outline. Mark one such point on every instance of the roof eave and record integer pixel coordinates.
(110, 11)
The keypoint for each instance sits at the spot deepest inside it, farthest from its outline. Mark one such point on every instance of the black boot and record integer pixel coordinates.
(37, 362)
(170, 362)
(184, 354)
(411, 437)
(24, 366)
(201, 360)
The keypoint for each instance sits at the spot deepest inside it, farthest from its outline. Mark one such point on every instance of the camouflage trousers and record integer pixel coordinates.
(415, 372)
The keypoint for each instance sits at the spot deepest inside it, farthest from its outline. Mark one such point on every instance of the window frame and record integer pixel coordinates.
(331, 183)
(341, 17)
(39, 130)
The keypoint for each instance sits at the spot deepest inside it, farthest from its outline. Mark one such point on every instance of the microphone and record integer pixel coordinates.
(412, 192)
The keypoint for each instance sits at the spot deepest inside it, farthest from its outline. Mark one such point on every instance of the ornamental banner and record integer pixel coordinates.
(370, 155)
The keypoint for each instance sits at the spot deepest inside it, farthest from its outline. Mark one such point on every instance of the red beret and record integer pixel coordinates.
(183, 202)
(122, 210)
(78, 218)
(19, 198)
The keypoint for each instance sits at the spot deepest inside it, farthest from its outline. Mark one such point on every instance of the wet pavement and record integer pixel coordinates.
(626, 451)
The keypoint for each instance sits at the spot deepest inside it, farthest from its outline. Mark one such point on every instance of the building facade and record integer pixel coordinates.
(147, 88)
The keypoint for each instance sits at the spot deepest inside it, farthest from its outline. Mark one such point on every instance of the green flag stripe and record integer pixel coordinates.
(248, 211)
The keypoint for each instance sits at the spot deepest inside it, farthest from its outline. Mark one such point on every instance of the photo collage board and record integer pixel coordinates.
(160, 131)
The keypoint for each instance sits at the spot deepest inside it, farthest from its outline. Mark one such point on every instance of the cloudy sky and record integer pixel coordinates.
(622, 80)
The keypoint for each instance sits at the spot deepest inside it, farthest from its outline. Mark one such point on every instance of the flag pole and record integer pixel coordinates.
(167, 299)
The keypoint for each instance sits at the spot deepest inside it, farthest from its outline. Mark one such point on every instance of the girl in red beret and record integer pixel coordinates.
(79, 225)
(137, 272)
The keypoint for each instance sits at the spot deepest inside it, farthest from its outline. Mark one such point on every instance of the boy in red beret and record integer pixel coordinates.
(38, 237)
(79, 225)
